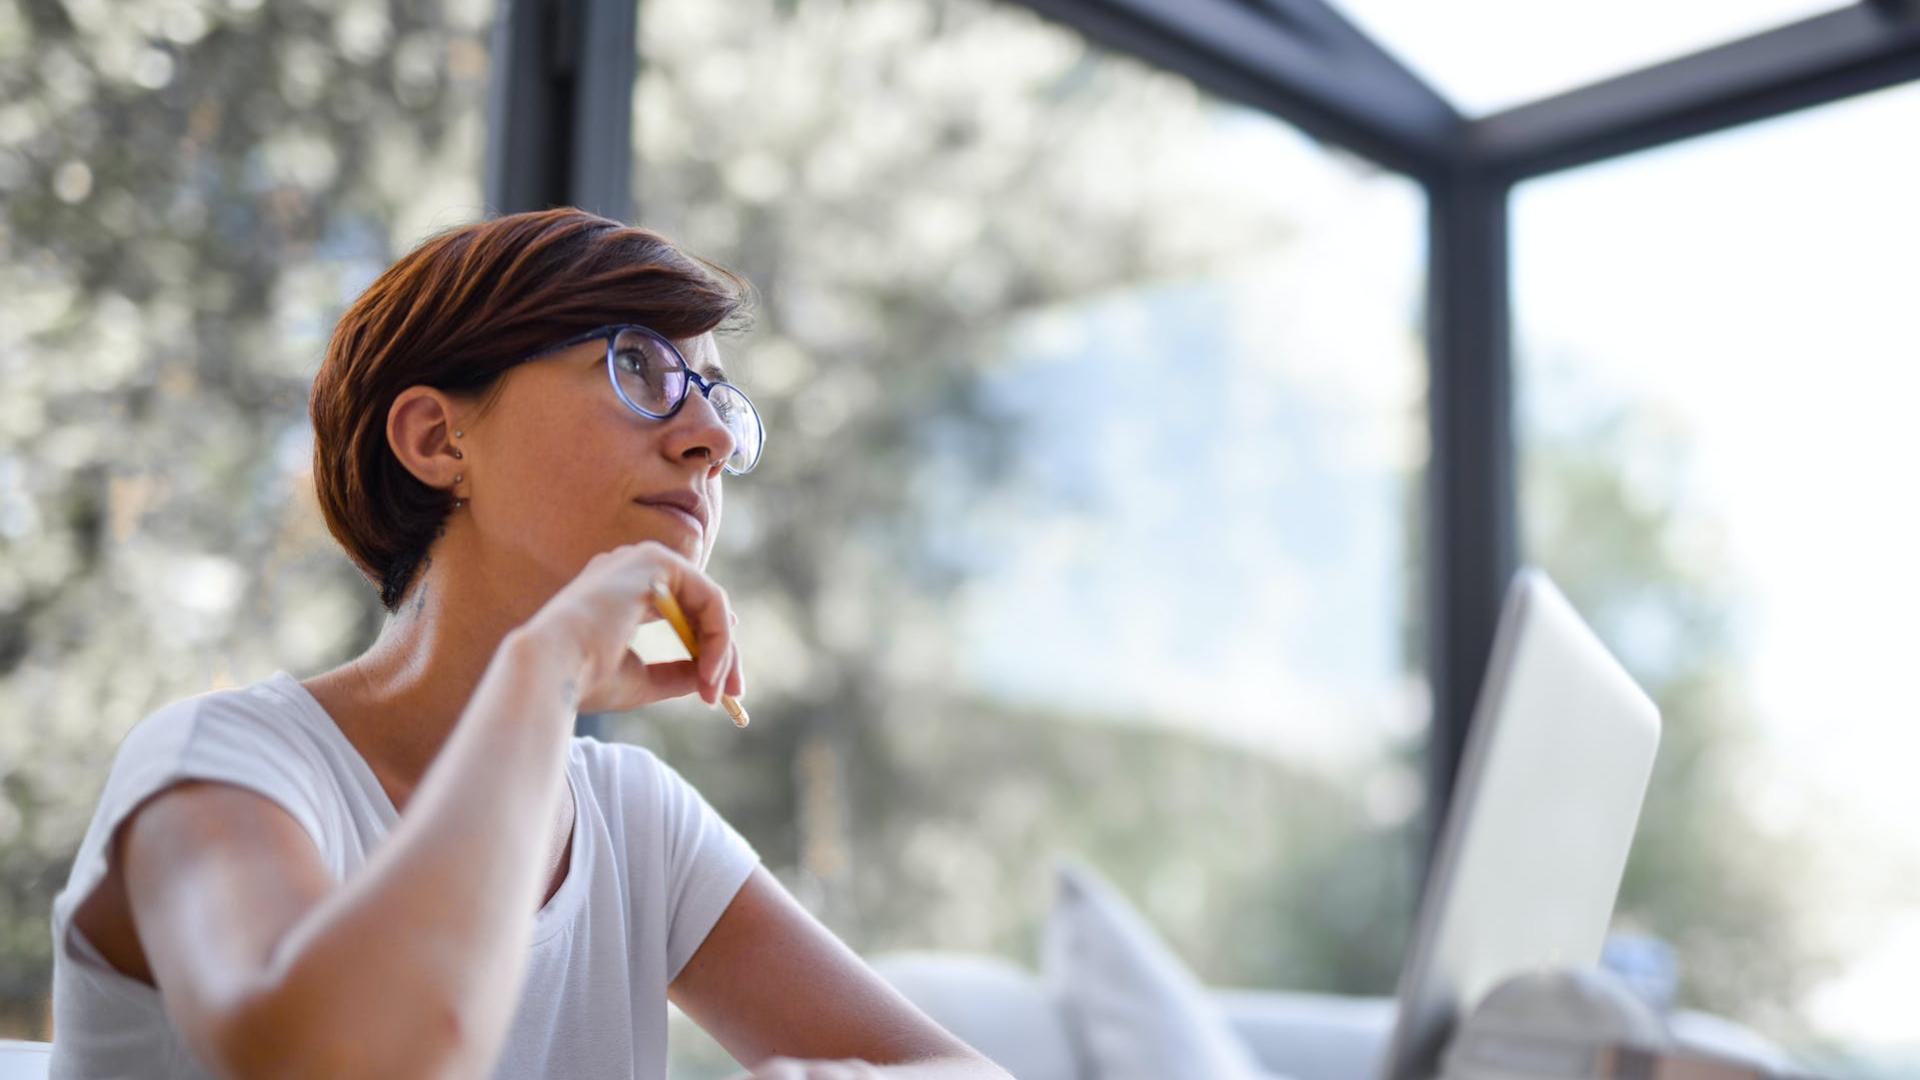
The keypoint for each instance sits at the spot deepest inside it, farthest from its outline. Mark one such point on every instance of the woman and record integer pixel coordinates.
(518, 428)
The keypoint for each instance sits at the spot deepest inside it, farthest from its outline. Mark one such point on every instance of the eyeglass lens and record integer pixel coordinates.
(652, 377)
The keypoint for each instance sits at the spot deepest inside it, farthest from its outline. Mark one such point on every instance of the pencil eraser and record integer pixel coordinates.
(656, 643)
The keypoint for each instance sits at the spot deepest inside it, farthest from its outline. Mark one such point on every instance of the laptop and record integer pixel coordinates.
(1536, 836)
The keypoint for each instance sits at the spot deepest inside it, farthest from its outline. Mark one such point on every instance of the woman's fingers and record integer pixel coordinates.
(712, 619)
(696, 603)
(736, 674)
(708, 614)
(673, 679)
(730, 675)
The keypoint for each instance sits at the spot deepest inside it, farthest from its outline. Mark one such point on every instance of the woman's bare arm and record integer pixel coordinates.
(777, 989)
(410, 968)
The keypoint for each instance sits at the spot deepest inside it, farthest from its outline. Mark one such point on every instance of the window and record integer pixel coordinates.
(1717, 387)
(1089, 516)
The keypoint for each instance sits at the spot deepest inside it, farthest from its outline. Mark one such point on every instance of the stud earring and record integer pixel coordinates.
(459, 434)
(458, 454)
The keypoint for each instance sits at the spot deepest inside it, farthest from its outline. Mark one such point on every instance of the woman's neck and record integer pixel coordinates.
(398, 701)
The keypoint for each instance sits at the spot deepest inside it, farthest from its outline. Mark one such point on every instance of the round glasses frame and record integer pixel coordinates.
(612, 334)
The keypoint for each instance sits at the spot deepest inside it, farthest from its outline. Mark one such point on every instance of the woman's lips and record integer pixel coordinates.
(674, 511)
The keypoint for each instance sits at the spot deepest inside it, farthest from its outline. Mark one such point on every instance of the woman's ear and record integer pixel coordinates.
(420, 431)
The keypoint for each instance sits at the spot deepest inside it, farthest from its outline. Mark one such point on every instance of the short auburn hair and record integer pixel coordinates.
(456, 313)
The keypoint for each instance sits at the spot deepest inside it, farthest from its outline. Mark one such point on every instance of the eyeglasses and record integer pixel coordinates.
(651, 378)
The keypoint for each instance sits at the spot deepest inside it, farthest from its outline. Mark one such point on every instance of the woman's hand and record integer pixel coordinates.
(780, 1068)
(592, 618)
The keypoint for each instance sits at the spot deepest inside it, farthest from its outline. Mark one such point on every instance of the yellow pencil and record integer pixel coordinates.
(669, 607)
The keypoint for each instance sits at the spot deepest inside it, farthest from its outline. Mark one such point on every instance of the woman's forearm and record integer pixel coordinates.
(414, 965)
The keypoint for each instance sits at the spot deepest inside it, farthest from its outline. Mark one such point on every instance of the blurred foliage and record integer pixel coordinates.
(193, 190)
(1606, 515)
(898, 211)
(189, 193)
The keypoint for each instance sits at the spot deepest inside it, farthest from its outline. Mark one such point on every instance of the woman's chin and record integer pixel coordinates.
(679, 541)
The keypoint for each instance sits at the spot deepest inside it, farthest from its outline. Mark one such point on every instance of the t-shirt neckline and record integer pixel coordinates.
(559, 909)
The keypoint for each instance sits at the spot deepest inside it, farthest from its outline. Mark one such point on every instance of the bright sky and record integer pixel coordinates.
(1755, 288)
(1487, 55)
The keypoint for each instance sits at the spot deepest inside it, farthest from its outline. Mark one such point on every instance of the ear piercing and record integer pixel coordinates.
(458, 503)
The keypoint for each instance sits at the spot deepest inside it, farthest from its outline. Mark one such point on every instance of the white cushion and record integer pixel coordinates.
(1135, 1010)
(24, 1060)
(1311, 1036)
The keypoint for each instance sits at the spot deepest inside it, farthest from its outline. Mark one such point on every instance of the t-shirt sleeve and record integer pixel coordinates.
(214, 737)
(707, 860)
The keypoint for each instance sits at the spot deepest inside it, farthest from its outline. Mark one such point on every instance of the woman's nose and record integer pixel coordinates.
(698, 428)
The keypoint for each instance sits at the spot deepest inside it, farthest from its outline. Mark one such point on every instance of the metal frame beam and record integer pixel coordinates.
(1812, 62)
(1298, 59)
(560, 106)
(1472, 545)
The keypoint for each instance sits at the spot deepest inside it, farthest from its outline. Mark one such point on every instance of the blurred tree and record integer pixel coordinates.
(901, 179)
(189, 191)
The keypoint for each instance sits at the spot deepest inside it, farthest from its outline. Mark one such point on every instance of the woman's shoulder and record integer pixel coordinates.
(257, 736)
(251, 737)
(617, 769)
(636, 786)
(263, 722)
(650, 798)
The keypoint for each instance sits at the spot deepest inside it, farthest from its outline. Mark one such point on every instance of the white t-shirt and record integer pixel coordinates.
(652, 868)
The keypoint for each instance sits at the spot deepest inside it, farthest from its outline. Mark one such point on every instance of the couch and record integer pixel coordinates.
(1014, 1017)
(1112, 1001)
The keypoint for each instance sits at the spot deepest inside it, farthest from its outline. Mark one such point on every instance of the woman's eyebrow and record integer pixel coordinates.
(714, 372)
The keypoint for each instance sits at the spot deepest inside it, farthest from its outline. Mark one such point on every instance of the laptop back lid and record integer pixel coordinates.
(1543, 813)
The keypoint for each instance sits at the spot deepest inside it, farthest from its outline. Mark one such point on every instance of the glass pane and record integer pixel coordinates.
(1717, 395)
(1488, 55)
(1092, 523)
(190, 193)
